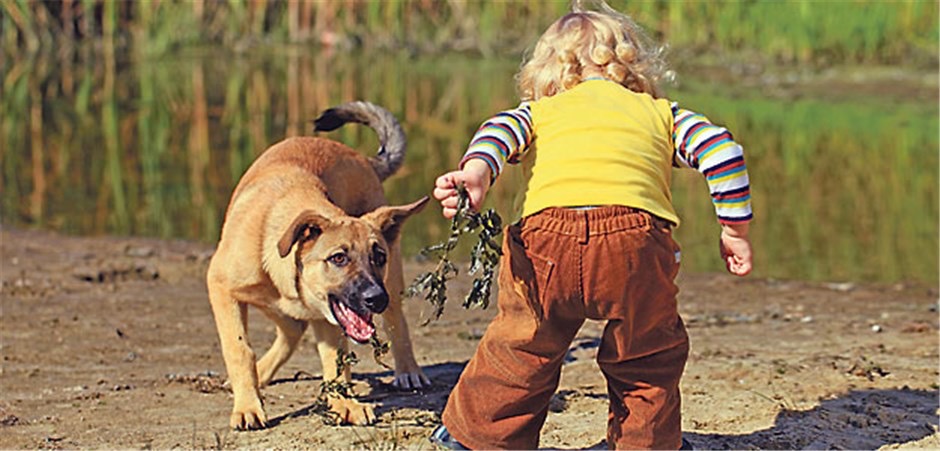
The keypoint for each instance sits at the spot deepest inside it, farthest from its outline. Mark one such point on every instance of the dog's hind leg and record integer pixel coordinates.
(408, 374)
(289, 332)
(231, 320)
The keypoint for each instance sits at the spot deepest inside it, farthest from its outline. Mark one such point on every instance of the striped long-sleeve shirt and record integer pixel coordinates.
(698, 144)
(711, 150)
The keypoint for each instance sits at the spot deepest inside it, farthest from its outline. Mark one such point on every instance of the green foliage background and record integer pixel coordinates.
(820, 31)
(139, 117)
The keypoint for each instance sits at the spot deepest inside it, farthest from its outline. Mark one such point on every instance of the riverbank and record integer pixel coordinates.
(109, 343)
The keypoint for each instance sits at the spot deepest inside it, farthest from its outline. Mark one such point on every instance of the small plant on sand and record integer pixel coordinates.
(337, 387)
(484, 258)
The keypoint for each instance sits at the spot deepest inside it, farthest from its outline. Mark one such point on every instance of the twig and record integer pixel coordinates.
(484, 258)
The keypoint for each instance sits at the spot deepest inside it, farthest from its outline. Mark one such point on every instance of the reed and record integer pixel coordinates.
(804, 31)
(843, 190)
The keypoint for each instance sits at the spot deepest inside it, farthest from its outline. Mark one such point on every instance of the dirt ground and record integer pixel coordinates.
(110, 343)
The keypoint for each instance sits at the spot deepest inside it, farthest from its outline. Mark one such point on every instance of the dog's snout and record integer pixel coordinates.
(375, 298)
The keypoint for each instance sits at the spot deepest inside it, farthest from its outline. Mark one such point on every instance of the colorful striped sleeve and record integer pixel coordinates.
(502, 139)
(711, 150)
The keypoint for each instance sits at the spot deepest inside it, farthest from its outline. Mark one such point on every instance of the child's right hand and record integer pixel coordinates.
(475, 177)
(735, 248)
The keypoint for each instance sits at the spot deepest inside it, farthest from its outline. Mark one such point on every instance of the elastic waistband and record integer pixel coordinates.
(586, 222)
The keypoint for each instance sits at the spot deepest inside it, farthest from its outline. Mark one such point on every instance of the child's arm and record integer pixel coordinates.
(501, 139)
(711, 150)
(504, 138)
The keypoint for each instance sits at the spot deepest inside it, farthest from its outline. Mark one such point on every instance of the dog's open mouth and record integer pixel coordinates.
(357, 326)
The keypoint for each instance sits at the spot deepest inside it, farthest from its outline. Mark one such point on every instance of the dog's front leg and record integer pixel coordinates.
(408, 374)
(231, 320)
(330, 340)
(289, 333)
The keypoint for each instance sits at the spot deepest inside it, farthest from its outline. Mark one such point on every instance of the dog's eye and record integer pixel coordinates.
(379, 258)
(339, 259)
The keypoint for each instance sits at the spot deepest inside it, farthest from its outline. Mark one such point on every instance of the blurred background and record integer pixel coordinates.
(138, 118)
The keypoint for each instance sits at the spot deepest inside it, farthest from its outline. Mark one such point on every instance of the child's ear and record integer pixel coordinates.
(390, 219)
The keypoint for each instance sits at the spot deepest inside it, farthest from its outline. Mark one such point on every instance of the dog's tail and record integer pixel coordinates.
(391, 152)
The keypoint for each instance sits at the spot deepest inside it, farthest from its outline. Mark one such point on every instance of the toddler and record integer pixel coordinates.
(597, 144)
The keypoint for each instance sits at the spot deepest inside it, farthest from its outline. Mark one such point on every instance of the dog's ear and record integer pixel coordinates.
(307, 225)
(390, 219)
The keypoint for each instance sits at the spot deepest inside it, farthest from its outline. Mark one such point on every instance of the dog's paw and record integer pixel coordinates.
(411, 380)
(248, 417)
(350, 411)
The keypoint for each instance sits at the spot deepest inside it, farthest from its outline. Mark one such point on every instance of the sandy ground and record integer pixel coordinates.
(110, 343)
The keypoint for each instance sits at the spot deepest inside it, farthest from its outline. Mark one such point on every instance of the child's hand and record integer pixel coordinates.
(735, 249)
(475, 177)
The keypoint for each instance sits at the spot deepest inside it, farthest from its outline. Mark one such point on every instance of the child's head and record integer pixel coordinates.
(584, 44)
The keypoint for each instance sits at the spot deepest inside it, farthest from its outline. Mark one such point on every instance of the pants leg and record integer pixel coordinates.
(645, 345)
(645, 406)
(502, 397)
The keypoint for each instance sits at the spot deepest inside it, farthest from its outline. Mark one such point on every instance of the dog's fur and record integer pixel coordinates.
(308, 233)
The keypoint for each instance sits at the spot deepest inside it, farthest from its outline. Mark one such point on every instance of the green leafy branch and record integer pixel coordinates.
(484, 258)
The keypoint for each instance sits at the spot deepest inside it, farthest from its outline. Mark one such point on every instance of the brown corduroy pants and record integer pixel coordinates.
(561, 266)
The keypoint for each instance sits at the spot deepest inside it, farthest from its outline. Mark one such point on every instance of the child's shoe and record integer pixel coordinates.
(443, 439)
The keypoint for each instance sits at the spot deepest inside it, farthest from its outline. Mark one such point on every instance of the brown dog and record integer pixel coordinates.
(308, 240)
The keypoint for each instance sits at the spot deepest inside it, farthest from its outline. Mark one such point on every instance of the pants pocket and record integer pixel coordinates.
(529, 269)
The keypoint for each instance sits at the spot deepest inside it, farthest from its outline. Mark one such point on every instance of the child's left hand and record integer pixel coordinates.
(735, 248)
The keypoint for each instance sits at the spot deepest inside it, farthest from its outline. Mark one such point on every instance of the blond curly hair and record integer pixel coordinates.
(584, 43)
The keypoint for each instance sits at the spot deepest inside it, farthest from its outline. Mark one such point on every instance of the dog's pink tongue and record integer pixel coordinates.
(357, 327)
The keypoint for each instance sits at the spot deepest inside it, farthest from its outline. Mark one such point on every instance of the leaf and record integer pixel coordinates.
(379, 350)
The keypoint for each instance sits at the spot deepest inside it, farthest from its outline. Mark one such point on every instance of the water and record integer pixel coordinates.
(843, 190)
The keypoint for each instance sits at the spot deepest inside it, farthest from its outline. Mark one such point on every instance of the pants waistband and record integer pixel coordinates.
(585, 222)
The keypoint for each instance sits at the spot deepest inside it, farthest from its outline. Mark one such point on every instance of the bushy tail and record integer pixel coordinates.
(391, 152)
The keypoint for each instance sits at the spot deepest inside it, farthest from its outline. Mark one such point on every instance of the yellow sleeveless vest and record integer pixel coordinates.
(599, 144)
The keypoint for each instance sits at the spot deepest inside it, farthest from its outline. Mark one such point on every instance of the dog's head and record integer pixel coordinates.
(342, 263)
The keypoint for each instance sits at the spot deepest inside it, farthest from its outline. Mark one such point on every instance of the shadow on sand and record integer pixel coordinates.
(859, 419)
(386, 397)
